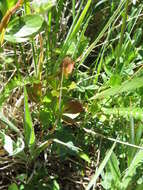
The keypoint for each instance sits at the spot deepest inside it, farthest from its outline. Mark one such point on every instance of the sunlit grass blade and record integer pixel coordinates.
(28, 125)
(101, 167)
(80, 20)
(81, 37)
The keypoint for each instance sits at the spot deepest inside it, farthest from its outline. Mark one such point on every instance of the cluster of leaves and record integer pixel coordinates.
(83, 83)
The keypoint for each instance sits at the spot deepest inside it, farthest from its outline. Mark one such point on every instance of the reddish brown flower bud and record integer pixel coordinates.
(67, 66)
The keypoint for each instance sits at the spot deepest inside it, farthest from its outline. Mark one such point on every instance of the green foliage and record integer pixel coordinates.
(13, 187)
(43, 5)
(126, 86)
(8, 123)
(112, 177)
(28, 126)
(80, 69)
(11, 147)
(101, 167)
(125, 112)
(20, 29)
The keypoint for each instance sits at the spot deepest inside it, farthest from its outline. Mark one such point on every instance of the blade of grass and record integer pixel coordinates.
(73, 8)
(119, 47)
(101, 167)
(28, 126)
(101, 59)
(92, 46)
(81, 36)
(130, 172)
(78, 21)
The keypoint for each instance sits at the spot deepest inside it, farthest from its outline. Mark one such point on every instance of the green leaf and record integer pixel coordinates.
(28, 126)
(3, 6)
(13, 187)
(107, 180)
(20, 29)
(139, 133)
(41, 148)
(75, 28)
(7, 143)
(43, 6)
(10, 146)
(115, 80)
(55, 185)
(14, 39)
(113, 166)
(126, 86)
(11, 3)
(84, 157)
(139, 187)
(101, 167)
(11, 85)
(130, 172)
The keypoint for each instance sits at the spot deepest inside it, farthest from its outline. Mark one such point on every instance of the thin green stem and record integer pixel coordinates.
(73, 8)
(132, 130)
(60, 97)
(49, 32)
(119, 50)
(25, 7)
(60, 100)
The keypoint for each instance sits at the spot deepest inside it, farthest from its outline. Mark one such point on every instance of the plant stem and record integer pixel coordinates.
(73, 8)
(60, 96)
(119, 50)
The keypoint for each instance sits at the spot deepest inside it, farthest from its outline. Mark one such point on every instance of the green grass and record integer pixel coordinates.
(71, 95)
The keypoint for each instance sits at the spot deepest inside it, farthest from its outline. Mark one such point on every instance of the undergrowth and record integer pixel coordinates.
(71, 94)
